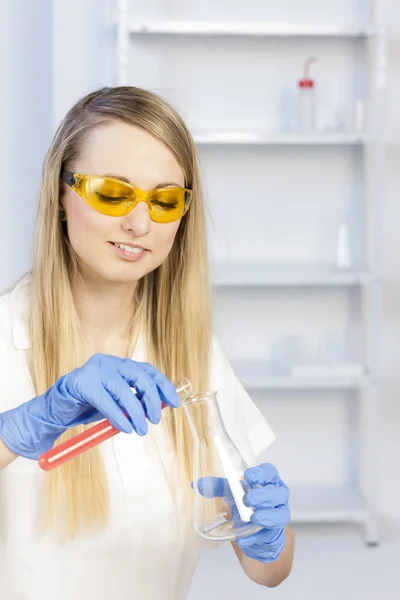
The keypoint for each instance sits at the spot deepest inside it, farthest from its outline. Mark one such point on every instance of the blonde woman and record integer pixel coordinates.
(118, 297)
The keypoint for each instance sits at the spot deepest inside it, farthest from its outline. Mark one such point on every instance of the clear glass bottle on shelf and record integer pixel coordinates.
(307, 108)
(219, 513)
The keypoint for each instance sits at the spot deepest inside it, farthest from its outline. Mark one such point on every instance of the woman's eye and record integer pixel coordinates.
(166, 205)
(111, 199)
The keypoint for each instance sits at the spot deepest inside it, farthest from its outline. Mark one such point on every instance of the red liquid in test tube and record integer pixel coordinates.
(93, 436)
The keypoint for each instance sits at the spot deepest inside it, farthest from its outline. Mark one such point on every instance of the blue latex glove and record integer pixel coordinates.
(100, 389)
(268, 496)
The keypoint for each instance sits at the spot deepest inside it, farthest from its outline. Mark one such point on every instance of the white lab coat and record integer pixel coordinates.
(145, 552)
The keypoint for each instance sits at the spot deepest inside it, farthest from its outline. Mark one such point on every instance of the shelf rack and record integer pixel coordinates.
(342, 502)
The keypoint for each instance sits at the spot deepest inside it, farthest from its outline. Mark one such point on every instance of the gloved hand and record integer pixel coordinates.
(269, 497)
(100, 389)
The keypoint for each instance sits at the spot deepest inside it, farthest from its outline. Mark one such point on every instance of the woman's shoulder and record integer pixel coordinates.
(14, 314)
(16, 385)
(6, 314)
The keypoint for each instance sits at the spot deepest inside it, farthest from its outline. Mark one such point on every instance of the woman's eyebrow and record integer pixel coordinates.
(167, 184)
(115, 176)
(157, 187)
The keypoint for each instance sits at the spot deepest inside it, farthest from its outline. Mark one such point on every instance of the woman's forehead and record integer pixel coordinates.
(132, 153)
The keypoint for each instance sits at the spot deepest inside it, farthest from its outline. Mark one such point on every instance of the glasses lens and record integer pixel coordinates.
(108, 196)
(168, 205)
(114, 198)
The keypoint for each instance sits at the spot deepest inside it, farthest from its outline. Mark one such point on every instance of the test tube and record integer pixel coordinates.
(94, 435)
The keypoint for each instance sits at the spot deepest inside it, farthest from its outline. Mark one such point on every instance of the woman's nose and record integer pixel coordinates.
(138, 220)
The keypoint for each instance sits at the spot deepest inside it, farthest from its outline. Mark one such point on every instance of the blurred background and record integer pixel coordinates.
(295, 110)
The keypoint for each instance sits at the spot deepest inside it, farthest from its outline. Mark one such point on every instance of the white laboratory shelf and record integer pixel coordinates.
(260, 29)
(256, 375)
(368, 39)
(279, 139)
(327, 504)
(252, 274)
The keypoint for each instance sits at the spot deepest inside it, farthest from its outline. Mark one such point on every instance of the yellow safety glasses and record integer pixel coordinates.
(116, 198)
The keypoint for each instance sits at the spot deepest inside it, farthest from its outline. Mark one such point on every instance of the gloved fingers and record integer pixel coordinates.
(145, 378)
(261, 538)
(269, 496)
(145, 387)
(92, 416)
(263, 549)
(100, 398)
(214, 487)
(262, 474)
(272, 517)
(166, 389)
(123, 397)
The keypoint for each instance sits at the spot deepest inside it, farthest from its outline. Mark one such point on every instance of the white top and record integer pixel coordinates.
(143, 553)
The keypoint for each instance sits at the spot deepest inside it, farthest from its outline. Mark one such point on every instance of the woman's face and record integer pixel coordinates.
(125, 152)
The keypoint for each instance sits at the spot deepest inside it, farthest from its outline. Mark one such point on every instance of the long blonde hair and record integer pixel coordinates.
(173, 301)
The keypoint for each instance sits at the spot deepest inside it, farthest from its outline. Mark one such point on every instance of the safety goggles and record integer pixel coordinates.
(116, 198)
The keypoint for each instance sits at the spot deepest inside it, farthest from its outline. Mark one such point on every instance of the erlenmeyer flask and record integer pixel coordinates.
(219, 513)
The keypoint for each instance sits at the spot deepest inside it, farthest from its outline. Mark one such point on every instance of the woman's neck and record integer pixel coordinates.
(106, 310)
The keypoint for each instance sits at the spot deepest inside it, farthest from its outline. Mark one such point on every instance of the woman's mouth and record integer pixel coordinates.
(131, 252)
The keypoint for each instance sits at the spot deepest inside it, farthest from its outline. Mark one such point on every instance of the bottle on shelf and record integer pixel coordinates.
(306, 100)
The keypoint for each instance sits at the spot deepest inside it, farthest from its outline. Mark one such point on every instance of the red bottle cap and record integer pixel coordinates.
(306, 83)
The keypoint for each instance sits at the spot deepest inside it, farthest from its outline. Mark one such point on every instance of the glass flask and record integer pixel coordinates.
(219, 513)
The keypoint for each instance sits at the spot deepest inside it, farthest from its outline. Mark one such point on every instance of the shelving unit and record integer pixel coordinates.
(278, 139)
(335, 503)
(254, 274)
(255, 376)
(221, 28)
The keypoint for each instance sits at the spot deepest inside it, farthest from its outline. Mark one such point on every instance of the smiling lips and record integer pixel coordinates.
(129, 251)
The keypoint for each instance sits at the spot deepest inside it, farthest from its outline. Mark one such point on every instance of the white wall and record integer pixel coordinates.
(390, 418)
(53, 52)
(83, 50)
(25, 124)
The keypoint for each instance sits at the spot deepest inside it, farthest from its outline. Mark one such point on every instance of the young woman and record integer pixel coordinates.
(118, 297)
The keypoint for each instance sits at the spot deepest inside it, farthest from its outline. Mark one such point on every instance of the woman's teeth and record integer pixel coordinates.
(130, 249)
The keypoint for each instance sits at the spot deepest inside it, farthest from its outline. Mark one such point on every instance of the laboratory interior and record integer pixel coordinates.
(294, 111)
